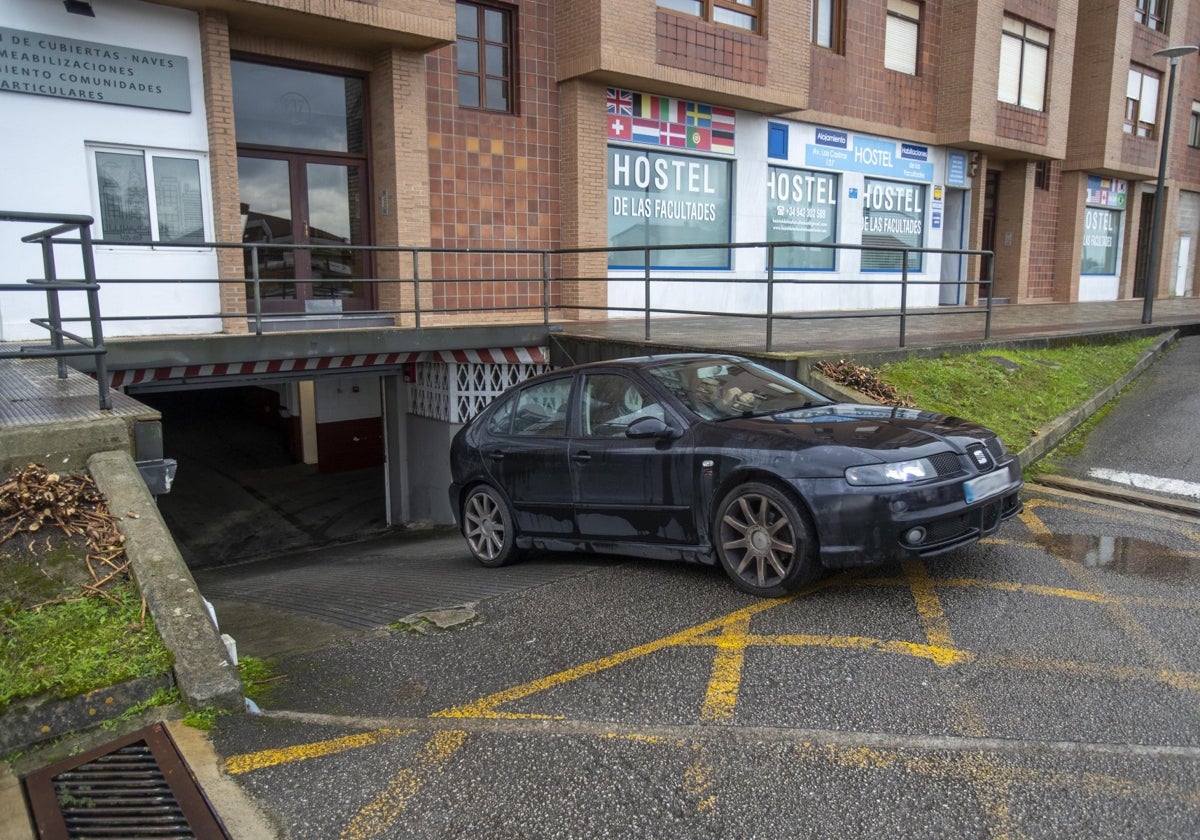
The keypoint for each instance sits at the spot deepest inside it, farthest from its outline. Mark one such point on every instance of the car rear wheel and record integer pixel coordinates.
(488, 527)
(764, 541)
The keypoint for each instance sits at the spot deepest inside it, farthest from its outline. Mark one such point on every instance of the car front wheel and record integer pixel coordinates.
(488, 527)
(764, 541)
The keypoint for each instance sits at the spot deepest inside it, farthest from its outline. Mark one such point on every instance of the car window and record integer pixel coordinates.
(611, 402)
(724, 388)
(541, 410)
(500, 423)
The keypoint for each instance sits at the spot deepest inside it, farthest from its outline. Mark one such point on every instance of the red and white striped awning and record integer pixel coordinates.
(316, 364)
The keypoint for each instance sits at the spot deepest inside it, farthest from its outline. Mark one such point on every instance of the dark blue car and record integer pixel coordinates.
(718, 459)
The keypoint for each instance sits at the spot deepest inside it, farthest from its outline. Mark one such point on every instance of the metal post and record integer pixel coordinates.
(416, 273)
(770, 296)
(53, 309)
(646, 295)
(991, 271)
(1174, 54)
(903, 294)
(546, 288)
(93, 299)
(258, 322)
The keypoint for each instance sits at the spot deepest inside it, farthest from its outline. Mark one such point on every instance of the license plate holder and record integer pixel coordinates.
(985, 486)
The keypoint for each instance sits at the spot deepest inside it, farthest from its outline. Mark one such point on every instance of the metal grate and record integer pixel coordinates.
(137, 786)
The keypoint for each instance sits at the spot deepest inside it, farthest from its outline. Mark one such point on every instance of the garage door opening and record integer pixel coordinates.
(242, 490)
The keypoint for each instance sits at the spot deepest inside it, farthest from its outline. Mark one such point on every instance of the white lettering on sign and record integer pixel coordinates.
(801, 187)
(873, 157)
(900, 198)
(632, 170)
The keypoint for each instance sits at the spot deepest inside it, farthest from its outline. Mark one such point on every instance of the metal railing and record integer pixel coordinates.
(52, 286)
(431, 271)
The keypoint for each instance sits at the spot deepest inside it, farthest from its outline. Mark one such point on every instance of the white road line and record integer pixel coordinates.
(1148, 482)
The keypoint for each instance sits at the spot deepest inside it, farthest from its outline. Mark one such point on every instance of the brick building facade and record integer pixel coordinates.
(551, 130)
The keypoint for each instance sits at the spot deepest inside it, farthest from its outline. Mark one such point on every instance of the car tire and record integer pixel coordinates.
(489, 528)
(764, 541)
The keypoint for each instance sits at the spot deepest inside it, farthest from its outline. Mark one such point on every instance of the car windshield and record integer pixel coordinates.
(721, 389)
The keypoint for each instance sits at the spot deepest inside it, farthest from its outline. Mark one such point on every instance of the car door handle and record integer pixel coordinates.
(581, 457)
(496, 455)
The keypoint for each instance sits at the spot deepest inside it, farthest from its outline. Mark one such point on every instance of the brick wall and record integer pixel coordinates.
(494, 178)
(1043, 236)
(702, 47)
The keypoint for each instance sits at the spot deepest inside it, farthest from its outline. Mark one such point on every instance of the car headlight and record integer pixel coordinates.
(896, 473)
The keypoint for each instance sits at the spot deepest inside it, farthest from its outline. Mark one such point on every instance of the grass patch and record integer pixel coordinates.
(70, 647)
(1014, 392)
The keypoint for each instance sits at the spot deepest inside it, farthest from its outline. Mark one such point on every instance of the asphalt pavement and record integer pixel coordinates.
(1148, 442)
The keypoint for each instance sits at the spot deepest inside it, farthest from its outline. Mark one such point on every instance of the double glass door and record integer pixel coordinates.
(303, 183)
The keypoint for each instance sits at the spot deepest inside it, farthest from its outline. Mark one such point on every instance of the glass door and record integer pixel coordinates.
(303, 181)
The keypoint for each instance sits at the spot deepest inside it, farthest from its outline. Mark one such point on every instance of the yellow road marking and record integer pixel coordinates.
(262, 759)
(723, 685)
(379, 815)
(939, 655)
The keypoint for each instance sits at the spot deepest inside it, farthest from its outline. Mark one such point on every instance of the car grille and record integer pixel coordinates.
(995, 448)
(946, 463)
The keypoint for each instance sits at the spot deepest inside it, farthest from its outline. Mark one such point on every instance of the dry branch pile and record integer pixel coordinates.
(864, 380)
(33, 500)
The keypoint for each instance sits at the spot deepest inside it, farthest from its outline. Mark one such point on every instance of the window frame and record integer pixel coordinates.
(709, 12)
(481, 44)
(1152, 13)
(1041, 174)
(835, 23)
(1194, 126)
(1135, 123)
(899, 13)
(148, 155)
(1018, 30)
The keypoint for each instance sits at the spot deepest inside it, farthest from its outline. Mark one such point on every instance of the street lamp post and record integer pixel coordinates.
(1174, 54)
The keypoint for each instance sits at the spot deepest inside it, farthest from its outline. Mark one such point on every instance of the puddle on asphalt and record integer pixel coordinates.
(1123, 555)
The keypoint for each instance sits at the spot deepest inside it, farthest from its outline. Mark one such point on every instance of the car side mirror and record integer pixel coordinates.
(651, 427)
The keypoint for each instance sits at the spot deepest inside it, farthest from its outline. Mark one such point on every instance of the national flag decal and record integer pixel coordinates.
(670, 123)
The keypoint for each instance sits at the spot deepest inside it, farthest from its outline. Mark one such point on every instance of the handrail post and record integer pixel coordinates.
(646, 292)
(991, 276)
(770, 296)
(545, 288)
(254, 276)
(93, 299)
(53, 309)
(903, 294)
(416, 275)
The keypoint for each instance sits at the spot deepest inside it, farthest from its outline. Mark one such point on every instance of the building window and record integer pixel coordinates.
(143, 195)
(1152, 13)
(903, 36)
(893, 215)
(829, 24)
(1041, 174)
(658, 199)
(740, 14)
(1194, 127)
(1141, 102)
(802, 208)
(1024, 58)
(485, 58)
(1101, 241)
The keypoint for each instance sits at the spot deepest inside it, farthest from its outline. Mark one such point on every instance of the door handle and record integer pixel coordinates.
(496, 455)
(581, 457)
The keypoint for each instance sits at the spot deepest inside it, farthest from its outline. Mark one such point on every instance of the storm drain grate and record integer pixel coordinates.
(137, 786)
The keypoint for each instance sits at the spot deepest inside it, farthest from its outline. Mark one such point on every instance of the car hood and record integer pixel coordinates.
(867, 428)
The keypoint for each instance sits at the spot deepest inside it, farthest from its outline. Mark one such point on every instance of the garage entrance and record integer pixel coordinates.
(242, 489)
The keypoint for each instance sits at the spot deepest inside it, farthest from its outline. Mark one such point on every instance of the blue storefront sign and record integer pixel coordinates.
(905, 161)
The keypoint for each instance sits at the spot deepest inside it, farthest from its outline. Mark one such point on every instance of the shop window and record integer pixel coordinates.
(144, 195)
(1024, 59)
(1101, 239)
(903, 36)
(740, 14)
(893, 215)
(1141, 102)
(1194, 127)
(802, 208)
(1152, 13)
(829, 24)
(485, 57)
(658, 199)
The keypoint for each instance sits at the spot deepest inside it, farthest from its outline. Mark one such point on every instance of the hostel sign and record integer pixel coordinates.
(50, 65)
(854, 153)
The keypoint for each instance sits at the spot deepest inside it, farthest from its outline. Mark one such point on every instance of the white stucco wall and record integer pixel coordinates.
(46, 170)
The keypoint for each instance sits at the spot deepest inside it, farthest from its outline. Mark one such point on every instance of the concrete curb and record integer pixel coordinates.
(1120, 494)
(203, 670)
